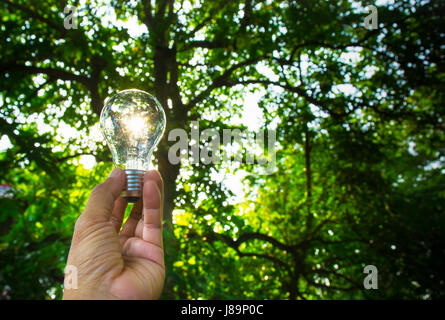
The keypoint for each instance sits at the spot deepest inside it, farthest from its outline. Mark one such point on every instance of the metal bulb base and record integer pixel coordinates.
(133, 189)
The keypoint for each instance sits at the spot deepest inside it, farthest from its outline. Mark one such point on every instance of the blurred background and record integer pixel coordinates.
(360, 139)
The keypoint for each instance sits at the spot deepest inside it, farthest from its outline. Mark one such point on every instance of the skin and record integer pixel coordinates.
(118, 264)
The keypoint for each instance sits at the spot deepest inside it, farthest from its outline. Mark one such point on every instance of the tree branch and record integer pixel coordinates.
(33, 14)
(205, 44)
(148, 18)
(52, 73)
(222, 80)
(251, 236)
(234, 244)
(91, 84)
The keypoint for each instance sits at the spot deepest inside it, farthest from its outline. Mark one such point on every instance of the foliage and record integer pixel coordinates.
(359, 115)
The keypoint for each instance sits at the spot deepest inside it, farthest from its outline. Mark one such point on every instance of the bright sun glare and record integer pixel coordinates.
(136, 126)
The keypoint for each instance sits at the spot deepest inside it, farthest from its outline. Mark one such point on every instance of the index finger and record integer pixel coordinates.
(152, 208)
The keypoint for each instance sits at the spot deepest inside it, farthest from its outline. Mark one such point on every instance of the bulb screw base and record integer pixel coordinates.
(133, 189)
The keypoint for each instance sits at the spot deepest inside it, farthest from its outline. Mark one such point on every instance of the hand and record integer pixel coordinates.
(119, 265)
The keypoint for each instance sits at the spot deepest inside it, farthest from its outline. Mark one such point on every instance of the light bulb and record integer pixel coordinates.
(132, 123)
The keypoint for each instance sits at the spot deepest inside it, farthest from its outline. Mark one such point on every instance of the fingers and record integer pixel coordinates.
(152, 208)
(102, 199)
(136, 247)
(150, 247)
(155, 176)
(129, 228)
(118, 213)
(149, 208)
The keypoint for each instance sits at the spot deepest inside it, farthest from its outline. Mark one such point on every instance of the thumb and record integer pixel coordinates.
(101, 202)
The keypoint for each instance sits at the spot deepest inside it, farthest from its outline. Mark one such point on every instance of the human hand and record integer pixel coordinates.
(119, 265)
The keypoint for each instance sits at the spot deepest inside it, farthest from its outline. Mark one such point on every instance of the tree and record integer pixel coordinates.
(360, 131)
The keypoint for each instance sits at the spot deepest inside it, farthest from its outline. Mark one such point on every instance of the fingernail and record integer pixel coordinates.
(114, 173)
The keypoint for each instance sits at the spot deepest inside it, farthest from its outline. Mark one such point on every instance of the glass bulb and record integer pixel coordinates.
(132, 123)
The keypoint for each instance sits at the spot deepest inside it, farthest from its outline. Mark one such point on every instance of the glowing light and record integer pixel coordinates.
(136, 126)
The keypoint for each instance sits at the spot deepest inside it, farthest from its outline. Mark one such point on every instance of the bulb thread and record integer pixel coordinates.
(133, 189)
